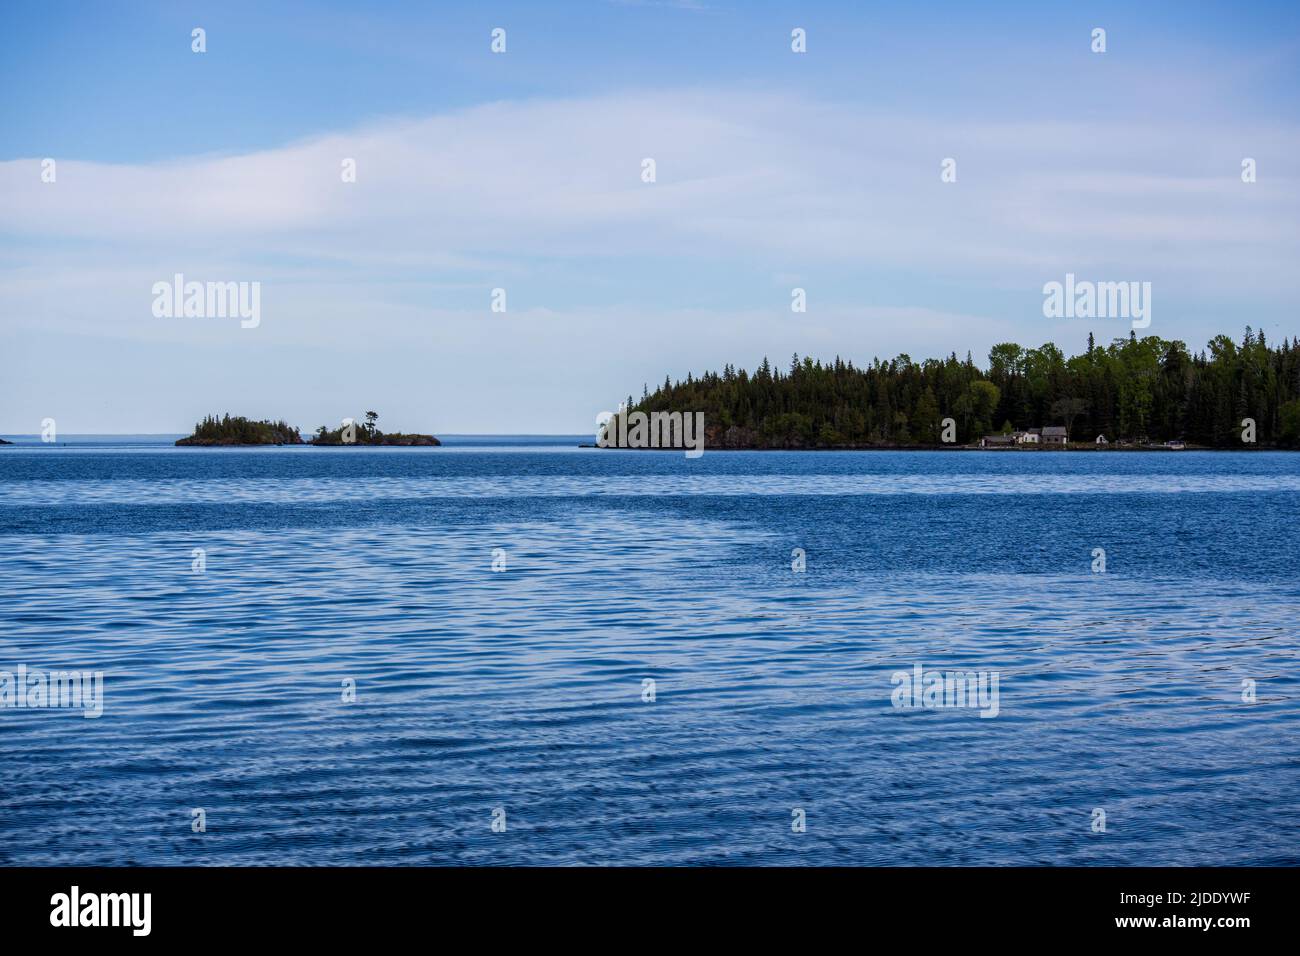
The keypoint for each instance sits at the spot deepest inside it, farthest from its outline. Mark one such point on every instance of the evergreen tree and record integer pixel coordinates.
(1130, 389)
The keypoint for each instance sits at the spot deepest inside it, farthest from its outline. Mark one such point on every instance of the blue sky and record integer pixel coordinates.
(522, 171)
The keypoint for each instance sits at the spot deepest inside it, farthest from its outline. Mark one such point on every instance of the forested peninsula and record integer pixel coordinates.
(1133, 392)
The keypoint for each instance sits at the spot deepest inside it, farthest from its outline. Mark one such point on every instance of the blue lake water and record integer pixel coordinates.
(521, 689)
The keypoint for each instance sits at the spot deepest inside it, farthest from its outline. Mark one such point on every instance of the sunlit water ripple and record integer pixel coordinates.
(522, 688)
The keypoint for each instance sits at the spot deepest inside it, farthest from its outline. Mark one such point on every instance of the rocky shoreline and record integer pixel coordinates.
(403, 441)
(194, 442)
(1083, 447)
(239, 432)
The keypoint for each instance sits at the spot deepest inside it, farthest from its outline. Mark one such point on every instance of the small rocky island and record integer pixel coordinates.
(237, 431)
(368, 433)
(227, 431)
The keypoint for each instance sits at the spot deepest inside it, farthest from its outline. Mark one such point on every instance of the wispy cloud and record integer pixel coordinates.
(545, 197)
(789, 176)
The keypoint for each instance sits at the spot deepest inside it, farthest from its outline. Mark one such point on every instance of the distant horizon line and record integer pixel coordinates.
(183, 434)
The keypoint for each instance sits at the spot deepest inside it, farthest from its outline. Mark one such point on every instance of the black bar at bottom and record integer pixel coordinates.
(332, 906)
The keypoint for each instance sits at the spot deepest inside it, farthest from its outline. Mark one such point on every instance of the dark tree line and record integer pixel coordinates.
(1133, 389)
(241, 431)
(238, 430)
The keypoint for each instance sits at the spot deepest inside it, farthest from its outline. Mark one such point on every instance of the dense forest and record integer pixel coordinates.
(241, 431)
(1132, 389)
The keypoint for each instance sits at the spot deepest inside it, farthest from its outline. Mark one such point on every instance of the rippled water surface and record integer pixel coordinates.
(522, 689)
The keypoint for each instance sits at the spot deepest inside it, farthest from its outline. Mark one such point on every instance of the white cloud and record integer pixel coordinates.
(749, 186)
(752, 171)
